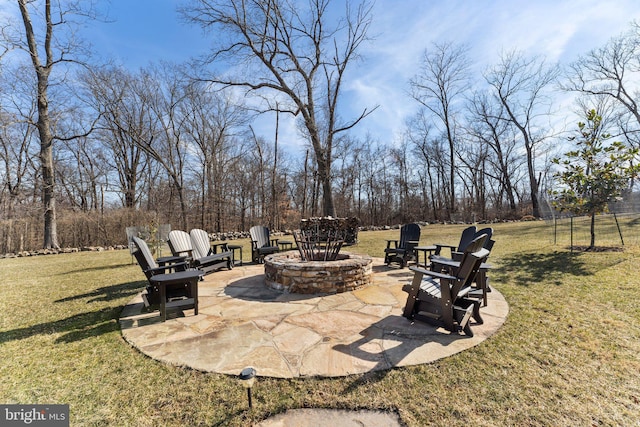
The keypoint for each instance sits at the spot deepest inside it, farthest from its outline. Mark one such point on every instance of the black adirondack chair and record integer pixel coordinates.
(261, 243)
(465, 238)
(468, 235)
(180, 244)
(402, 251)
(172, 285)
(204, 257)
(438, 298)
(196, 246)
(481, 283)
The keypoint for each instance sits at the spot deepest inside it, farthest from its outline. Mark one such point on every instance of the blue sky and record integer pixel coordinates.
(147, 31)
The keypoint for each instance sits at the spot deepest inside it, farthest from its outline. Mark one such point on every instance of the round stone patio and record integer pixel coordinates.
(241, 322)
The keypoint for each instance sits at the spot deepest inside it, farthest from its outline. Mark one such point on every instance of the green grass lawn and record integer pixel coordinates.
(568, 355)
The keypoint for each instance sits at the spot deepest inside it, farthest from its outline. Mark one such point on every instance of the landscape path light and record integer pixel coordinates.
(247, 379)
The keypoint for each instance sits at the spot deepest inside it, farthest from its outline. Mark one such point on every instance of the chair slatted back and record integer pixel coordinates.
(468, 269)
(131, 231)
(200, 243)
(473, 256)
(143, 255)
(488, 245)
(467, 236)
(180, 243)
(489, 232)
(260, 235)
(408, 233)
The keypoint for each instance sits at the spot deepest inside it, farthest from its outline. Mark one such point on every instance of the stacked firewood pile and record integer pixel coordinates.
(325, 227)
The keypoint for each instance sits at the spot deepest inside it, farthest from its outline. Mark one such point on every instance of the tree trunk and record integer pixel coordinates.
(48, 176)
(323, 160)
(130, 184)
(44, 122)
(274, 197)
(452, 170)
(592, 244)
(533, 182)
(305, 185)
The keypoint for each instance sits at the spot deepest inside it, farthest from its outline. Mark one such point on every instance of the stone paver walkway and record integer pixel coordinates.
(309, 417)
(243, 323)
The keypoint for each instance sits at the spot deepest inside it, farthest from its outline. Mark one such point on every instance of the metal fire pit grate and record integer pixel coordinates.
(314, 248)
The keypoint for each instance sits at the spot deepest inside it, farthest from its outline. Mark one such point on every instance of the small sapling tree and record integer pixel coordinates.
(593, 174)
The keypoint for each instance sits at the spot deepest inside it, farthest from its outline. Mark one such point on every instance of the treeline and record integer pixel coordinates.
(154, 146)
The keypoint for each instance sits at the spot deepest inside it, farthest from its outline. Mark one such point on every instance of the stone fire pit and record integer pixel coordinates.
(285, 271)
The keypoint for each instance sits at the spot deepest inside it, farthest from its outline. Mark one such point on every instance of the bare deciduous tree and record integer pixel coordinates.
(82, 174)
(519, 84)
(489, 126)
(214, 124)
(124, 124)
(17, 141)
(419, 130)
(612, 71)
(48, 49)
(439, 86)
(290, 50)
(164, 92)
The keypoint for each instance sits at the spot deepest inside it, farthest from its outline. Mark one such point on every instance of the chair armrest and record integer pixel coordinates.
(161, 269)
(445, 262)
(183, 254)
(433, 273)
(412, 244)
(394, 241)
(444, 245)
(456, 256)
(215, 246)
(439, 247)
(171, 259)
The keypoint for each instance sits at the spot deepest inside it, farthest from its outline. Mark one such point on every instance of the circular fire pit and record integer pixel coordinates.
(285, 271)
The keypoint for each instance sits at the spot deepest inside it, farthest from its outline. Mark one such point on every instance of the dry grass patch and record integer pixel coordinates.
(567, 355)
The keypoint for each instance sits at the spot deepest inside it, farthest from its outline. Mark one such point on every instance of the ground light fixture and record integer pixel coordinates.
(247, 378)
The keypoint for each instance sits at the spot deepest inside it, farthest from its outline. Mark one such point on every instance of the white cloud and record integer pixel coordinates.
(557, 30)
(150, 30)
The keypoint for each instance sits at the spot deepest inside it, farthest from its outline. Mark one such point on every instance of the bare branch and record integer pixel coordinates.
(290, 52)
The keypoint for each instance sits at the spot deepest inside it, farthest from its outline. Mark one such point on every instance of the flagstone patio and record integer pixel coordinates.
(241, 322)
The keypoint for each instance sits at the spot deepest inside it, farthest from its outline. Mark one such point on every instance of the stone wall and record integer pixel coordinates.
(63, 251)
